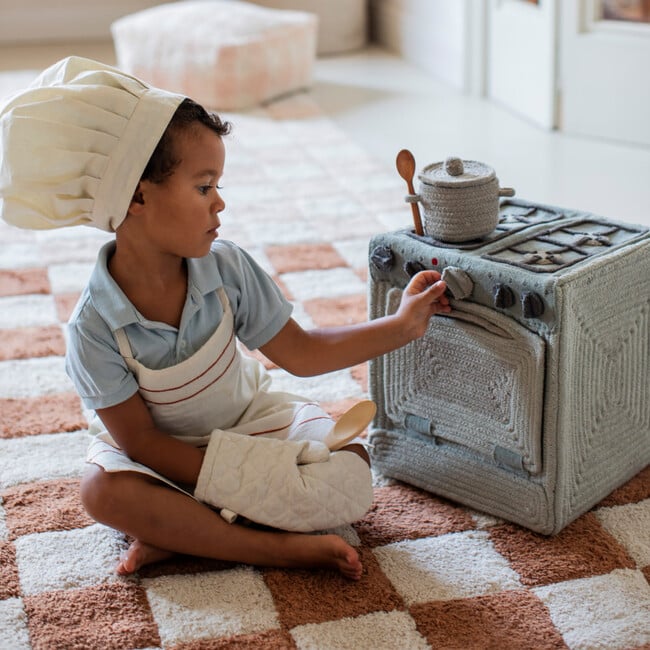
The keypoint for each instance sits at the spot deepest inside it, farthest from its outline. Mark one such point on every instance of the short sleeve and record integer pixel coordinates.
(93, 362)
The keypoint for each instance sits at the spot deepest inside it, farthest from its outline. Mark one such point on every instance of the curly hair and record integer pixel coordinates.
(164, 160)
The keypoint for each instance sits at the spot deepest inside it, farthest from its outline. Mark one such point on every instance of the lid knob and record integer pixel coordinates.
(454, 166)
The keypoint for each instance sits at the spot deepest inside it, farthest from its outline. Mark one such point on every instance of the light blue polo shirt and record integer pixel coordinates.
(93, 361)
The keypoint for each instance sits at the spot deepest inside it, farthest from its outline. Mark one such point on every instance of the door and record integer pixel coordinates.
(521, 65)
(475, 380)
(606, 69)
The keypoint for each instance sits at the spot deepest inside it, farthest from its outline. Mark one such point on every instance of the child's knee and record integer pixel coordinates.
(90, 487)
(98, 491)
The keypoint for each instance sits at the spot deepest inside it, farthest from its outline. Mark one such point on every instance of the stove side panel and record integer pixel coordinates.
(603, 393)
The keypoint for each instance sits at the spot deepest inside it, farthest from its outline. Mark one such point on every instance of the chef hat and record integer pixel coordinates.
(74, 145)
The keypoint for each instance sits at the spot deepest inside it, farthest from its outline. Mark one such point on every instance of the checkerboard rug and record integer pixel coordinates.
(304, 200)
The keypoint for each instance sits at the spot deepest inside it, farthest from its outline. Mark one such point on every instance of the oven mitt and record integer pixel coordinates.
(286, 484)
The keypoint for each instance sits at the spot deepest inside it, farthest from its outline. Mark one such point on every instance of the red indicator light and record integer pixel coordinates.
(434, 261)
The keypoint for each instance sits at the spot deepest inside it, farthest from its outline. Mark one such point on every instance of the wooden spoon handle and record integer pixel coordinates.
(415, 210)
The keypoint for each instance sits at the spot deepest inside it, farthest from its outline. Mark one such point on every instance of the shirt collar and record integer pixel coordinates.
(118, 311)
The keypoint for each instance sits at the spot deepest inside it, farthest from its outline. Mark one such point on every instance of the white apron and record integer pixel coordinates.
(218, 387)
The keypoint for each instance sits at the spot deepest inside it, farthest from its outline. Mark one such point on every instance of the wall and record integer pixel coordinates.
(28, 21)
(342, 24)
(432, 34)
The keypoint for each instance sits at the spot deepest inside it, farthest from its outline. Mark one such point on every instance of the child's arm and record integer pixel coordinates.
(133, 429)
(313, 352)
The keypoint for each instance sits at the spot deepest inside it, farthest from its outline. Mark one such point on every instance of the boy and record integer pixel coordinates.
(184, 420)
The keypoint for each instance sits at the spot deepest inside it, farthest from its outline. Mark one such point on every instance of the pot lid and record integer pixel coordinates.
(454, 172)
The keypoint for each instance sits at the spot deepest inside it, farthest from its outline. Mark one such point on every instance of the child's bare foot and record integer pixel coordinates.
(348, 562)
(139, 554)
(329, 551)
(334, 552)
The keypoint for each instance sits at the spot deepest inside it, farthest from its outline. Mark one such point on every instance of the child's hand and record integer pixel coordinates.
(423, 297)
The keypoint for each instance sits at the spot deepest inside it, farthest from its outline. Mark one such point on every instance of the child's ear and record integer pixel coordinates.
(137, 201)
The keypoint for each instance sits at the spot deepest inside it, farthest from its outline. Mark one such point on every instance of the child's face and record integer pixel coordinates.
(181, 214)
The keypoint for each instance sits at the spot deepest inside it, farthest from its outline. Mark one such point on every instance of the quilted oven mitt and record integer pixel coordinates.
(292, 485)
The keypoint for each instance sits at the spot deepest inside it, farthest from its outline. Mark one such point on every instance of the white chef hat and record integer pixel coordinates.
(74, 144)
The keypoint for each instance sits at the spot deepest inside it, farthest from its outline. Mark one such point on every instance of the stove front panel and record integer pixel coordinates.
(523, 296)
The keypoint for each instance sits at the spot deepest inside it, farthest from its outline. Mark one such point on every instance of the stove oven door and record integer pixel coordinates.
(475, 379)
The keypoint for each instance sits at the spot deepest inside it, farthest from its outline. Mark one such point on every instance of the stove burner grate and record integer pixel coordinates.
(563, 246)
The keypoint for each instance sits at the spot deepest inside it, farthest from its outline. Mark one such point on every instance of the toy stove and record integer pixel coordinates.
(531, 400)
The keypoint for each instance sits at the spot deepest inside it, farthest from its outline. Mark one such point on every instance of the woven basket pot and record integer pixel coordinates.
(460, 199)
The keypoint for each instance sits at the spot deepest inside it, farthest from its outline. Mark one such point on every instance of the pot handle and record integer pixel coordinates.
(506, 191)
(412, 198)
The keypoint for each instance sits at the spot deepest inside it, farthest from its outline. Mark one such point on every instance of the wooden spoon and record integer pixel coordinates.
(350, 424)
(406, 168)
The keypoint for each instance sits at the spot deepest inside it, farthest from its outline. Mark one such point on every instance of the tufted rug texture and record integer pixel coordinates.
(304, 200)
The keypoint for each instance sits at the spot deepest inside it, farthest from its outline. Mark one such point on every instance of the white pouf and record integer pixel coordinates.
(224, 55)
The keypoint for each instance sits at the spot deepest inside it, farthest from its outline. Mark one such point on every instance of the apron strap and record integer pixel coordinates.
(223, 297)
(123, 344)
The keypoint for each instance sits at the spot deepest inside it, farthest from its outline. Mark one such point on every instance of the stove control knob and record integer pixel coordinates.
(504, 296)
(383, 258)
(460, 285)
(411, 268)
(532, 304)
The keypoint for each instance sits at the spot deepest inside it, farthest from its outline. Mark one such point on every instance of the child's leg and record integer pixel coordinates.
(161, 517)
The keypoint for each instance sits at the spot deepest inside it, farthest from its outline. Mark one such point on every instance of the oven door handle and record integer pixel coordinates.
(494, 322)
(486, 318)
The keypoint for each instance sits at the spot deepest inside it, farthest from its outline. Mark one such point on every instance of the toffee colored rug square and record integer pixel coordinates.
(304, 200)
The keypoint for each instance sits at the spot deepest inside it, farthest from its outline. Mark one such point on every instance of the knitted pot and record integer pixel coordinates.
(460, 199)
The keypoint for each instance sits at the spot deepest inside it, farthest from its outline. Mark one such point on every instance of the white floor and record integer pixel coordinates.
(386, 104)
